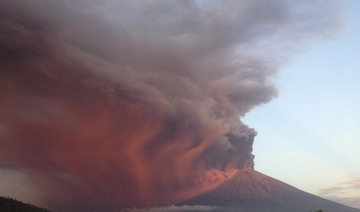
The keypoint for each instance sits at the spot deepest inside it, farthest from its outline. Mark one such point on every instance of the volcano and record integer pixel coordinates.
(106, 105)
(249, 190)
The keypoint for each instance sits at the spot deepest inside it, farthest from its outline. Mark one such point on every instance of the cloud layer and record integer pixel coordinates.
(110, 104)
(347, 192)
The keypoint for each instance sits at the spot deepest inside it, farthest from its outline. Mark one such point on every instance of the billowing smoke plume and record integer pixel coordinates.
(107, 104)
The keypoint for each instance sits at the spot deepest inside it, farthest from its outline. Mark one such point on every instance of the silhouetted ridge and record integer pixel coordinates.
(11, 205)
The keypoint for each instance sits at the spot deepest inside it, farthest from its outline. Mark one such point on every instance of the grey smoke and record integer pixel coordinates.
(193, 67)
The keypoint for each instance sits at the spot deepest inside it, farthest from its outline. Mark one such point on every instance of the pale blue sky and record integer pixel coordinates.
(309, 136)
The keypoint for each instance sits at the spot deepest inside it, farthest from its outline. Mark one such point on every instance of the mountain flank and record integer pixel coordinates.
(253, 191)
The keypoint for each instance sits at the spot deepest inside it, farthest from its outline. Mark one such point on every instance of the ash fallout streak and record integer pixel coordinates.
(137, 103)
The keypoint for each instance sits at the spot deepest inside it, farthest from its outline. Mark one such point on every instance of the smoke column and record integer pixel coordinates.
(107, 104)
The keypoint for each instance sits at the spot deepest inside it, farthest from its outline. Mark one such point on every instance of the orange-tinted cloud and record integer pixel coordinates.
(109, 105)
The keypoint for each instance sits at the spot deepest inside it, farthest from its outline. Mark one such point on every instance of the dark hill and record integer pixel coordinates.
(11, 205)
(252, 191)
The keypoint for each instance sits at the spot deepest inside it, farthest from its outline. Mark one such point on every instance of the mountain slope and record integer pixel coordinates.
(250, 190)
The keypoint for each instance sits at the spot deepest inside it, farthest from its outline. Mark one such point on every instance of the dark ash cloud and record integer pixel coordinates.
(107, 104)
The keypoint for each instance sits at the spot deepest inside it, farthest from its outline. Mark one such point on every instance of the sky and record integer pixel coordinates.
(309, 136)
(111, 104)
